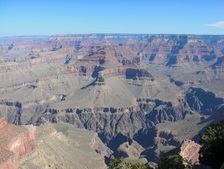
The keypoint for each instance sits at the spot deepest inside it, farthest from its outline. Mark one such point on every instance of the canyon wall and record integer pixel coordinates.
(121, 86)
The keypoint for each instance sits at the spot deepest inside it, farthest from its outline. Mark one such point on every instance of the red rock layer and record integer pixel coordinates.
(2, 123)
(14, 142)
(7, 159)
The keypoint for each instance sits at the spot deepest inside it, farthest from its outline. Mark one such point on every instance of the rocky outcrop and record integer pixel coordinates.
(26, 146)
(131, 150)
(15, 142)
(64, 146)
(189, 150)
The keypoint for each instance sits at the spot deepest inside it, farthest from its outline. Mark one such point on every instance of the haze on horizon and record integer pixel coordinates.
(39, 17)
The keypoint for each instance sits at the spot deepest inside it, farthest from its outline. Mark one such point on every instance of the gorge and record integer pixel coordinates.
(139, 95)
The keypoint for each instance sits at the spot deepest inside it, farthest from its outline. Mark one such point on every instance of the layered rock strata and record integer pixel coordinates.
(15, 142)
(51, 146)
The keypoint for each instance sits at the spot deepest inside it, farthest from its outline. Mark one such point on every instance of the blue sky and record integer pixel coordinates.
(47, 17)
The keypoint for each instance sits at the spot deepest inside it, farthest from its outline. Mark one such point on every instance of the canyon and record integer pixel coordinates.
(139, 96)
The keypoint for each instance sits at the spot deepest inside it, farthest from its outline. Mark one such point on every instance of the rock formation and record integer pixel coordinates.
(15, 142)
(124, 87)
(189, 150)
(49, 146)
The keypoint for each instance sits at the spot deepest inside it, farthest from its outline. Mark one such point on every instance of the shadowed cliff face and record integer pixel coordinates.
(124, 87)
(202, 101)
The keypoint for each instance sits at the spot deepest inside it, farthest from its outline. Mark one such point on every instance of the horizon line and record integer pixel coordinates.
(74, 34)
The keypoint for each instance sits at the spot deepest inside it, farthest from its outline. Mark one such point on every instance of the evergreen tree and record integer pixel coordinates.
(172, 162)
(212, 141)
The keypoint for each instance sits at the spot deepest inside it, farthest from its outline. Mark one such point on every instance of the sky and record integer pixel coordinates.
(48, 17)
